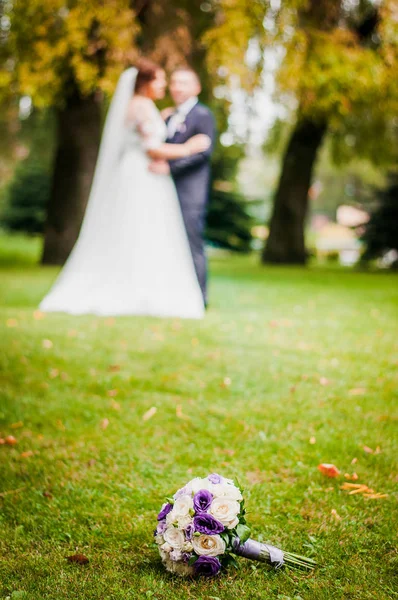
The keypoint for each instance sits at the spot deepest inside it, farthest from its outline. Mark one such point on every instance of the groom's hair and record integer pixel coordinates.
(147, 70)
(187, 70)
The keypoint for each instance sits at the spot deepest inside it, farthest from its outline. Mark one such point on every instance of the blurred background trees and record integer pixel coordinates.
(335, 77)
(332, 64)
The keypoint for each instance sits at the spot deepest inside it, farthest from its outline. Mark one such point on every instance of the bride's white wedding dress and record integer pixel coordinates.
(132, 256)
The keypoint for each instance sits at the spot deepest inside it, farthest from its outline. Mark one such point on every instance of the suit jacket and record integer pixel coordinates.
(192, 174)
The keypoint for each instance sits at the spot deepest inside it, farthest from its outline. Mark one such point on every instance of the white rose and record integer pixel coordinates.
(208, 545)
(182, 506)
(187, 547)
(227, 490)
(184, 521)
(174, 537)
(225, 510)
(166, 547)
(201, 484)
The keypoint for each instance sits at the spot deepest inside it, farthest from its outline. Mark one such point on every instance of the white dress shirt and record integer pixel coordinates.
(178, 117)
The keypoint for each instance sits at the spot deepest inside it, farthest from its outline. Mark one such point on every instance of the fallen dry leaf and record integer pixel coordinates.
(17, 425)
(324, 381)
(47, 344)
(38, 315)
(354, 476)
(10, 440)
(111, 393)
(80, 559)
(114, 368)
(53, 373)
(357, 392)
(104, 423)
(354, 461)
(27, 454)
(47, 494)
(312, 440)
(359, 488)
(12, 323)
(368, 450)
(335, 514)
(149, 413)
(179, 412)
(328, 469)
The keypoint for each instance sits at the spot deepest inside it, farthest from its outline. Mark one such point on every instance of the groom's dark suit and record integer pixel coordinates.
(191, 176)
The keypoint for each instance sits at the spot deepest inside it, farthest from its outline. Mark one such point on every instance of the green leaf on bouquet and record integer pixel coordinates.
(193, 560)
(243, 532)
(170, 500)
(224, 535)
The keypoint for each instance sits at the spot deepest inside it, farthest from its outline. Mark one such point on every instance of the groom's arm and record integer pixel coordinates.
(181, 165)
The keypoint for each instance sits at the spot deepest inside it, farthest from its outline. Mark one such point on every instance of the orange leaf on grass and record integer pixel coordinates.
(328, 469)
(149, 413)
(104, 423)
(10, 440)
(357, 392)
(12, 323)
(27, 454)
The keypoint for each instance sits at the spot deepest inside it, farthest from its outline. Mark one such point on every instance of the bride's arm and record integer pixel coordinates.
(195, 145)
(141, 113)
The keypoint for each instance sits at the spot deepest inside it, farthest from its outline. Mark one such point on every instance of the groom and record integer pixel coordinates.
(191, 175)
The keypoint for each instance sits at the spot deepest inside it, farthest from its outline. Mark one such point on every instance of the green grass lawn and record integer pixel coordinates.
(289, 369)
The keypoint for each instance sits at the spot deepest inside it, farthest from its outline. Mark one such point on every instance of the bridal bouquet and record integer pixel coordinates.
(203, 526)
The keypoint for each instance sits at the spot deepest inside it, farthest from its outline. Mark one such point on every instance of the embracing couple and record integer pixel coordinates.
(141, 250)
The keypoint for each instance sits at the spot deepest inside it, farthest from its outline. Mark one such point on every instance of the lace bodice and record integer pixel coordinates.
(146, 129)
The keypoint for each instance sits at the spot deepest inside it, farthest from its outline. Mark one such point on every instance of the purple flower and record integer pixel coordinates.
(202, 501)
(214, 478)
(207, 566)
(166, 508)
(186, 556)
(161, 528)
(207, 524)
(189, 531)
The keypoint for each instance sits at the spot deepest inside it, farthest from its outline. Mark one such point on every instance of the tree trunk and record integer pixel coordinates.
(286, 243)
(78, 138)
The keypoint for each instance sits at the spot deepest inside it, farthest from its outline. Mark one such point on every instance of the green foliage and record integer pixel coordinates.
(381, 232)
(27, 198)
(229, 222)
(275, 332)
(339, 64)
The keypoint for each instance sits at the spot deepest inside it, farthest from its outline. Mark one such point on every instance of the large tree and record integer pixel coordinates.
(68, 55)
(337, 72)
(65, 54)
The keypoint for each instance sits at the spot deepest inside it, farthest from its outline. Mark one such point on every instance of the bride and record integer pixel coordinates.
(132, 256)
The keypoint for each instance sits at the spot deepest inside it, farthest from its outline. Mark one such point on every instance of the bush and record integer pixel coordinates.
(381, 232)
(229, 223)
(27, 198)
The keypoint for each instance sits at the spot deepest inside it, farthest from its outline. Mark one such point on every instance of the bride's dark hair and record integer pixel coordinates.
(147, 70)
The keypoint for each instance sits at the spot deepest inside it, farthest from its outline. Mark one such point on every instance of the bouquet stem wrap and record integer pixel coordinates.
(275, 557)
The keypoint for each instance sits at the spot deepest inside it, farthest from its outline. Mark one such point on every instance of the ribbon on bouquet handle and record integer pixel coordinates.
(254, 551)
